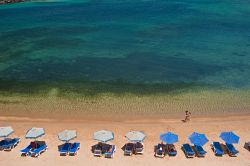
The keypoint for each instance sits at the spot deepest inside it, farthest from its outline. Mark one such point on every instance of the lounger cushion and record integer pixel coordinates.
(27, 149)
(218, 149)
(65, 148)
(200, 150)
(187, 148)
(74, 148)
(39, 150)
(232, 149)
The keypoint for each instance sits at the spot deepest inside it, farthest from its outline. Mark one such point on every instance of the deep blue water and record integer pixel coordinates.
(154, 41)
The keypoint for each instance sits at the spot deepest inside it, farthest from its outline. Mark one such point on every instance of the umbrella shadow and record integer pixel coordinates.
(98, 146)
(131, 145)
(224, 148)
(38, 144)
(247, 146)
(93, 147)
(196, 152)
(123, 147)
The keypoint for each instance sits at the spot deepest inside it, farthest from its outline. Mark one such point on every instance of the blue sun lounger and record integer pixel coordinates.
(171, 150)
(216, 146)
(37, 152)
(74, 148)
(160, 151)
(2, 143)
(9, 145)
(26, 151)
(231, 150)
(188, 150)
(128, 151)
(65, 149)
(111, 152)
(200, 152)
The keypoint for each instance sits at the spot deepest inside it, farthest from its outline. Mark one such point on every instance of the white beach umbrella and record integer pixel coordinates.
(6, 131)
(67, 135)
(135, 136)
(103, 135)
(35, 133)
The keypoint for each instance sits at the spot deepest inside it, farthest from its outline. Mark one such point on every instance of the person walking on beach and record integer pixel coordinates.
(187, 116)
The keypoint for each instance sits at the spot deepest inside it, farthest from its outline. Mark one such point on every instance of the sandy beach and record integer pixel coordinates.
(212, 126)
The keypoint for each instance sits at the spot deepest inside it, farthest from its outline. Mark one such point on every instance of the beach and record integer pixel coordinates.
(118, 65)
(211, 126)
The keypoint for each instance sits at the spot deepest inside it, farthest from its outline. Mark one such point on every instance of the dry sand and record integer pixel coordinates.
(212, 126)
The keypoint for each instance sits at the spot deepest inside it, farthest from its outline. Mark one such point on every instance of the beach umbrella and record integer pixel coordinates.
(6, 131)
(104, 136)
(198, 139)
(67, 135)
(135, 136)
(35, 133)
(230, 137)
(169, 138)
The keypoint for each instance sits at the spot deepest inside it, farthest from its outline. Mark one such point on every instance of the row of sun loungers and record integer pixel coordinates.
(198, 151)
(35, 149)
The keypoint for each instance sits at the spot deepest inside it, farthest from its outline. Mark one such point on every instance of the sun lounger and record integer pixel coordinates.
(200, 152)
(139, 148)
(26, 151)
(189, 152)
(97, 150)
(216, 146)
(129, 147)
(171, 150)
(111, 152)
(9, 145)
(65, 149)
(74, 148)
(231, 150)
(160, 151)
(37, 152)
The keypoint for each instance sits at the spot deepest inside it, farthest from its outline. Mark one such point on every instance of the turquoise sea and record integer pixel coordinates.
(137, 46)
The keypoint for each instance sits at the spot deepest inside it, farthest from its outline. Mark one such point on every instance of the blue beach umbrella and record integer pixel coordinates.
(230, 137)
(35, 133)
(6, 131)
(198, 139)
(104, 136)
(169, 138)
(136, 136)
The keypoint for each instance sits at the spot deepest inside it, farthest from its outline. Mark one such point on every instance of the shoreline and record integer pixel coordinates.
(128, 107)
(147, 120)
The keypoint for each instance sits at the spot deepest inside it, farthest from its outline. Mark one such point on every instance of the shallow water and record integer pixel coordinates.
(205, 42)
